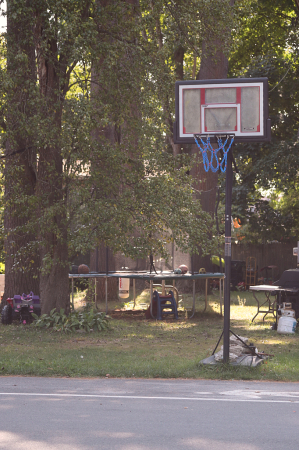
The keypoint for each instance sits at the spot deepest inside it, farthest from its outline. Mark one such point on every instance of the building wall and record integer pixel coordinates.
(276, 254)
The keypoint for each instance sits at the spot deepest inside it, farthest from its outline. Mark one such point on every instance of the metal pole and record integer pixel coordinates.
(134, 292)
(220, 295)
(151, 298)
(106, 293)
(193, 292)
(73, 306)
(95, 293)
(193, 305)
(106, 278)
(227, 256)
(173, 256)
(97, 259)
(107, 260)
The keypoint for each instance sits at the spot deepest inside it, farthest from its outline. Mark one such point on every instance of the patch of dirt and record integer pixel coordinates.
(137, 314)
(129, 314)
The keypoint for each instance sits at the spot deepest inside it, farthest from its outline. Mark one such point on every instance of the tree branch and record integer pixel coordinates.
(21, 150)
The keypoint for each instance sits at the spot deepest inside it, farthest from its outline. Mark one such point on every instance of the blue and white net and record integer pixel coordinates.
(214, 164)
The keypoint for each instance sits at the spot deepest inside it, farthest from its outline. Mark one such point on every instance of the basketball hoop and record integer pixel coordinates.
(214, 164)
(222, 111)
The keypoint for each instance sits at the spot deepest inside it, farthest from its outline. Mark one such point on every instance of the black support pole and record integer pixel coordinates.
(97, 258)
(227, 256)
(107, 260)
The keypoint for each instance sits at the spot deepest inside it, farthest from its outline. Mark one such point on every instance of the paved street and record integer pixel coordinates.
(80, 414)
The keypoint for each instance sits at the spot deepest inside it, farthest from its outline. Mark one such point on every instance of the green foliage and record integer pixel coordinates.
(265, 44)
(97, 137)
(107, 124)
(86, 320)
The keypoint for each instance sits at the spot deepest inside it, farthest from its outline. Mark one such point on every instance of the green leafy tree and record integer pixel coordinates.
(266, 44)
(128, 192)
(18, 85)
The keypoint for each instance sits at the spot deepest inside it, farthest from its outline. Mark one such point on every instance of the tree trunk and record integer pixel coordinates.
(54, 285)
(178, 57)
(116, 136)
(21, 265)
(51, 192)
(98, 256)
(214, 65)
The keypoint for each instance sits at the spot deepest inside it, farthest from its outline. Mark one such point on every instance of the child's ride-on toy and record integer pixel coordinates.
(20, 307)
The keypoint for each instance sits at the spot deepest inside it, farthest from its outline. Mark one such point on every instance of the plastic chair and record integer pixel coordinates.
(165, 302)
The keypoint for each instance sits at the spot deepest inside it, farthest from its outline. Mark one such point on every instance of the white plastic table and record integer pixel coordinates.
(268, 303)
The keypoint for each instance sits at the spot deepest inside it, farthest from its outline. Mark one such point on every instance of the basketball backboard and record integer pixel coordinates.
(236, 106)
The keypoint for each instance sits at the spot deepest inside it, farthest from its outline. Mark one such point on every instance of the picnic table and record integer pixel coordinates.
(268, 306)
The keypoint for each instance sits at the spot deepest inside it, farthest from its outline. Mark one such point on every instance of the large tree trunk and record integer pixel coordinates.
(54, 286)
(214, 65)
(98, 257)
(21, 253)
(115, 135)
(51, 192)
(21, 262)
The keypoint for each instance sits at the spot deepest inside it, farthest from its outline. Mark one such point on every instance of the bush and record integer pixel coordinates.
(86, 320)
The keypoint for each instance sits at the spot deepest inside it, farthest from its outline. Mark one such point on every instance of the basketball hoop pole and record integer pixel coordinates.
(225, 166)
(227, 256)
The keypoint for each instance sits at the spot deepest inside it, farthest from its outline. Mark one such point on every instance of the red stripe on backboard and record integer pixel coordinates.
(238, 100)
(202, 96)
(258, 128)
(184, 130)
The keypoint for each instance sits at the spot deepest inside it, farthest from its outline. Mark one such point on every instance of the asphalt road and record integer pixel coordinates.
(131, 414)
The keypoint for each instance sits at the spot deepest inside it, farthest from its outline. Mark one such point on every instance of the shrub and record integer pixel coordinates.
(86, 320)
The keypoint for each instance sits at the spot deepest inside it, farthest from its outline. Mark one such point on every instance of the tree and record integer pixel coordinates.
(52, 32)
(20, 162)
(214, 65)
(135, 196)
(266, 44)
(184, 34)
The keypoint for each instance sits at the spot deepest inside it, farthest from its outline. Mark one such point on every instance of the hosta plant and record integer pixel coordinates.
(86, 320)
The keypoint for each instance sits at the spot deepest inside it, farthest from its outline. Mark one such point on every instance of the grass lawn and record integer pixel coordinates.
(136, 347)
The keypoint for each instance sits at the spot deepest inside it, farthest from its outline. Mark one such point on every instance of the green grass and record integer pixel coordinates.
(136, 347)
